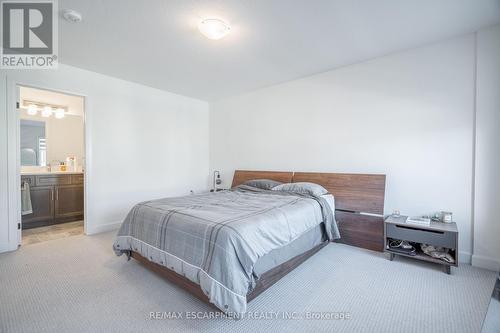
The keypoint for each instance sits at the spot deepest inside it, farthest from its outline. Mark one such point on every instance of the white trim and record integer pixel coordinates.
(6, 247)
(13, 159)
(13, 181)
(103, 228)
(474, 148)
(86, 166)
(464, 257)
(486, 262)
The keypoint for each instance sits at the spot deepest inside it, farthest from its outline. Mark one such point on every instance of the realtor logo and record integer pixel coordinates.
(29, 34)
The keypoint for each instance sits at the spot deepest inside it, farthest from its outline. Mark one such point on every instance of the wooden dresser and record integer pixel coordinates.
(55, 198)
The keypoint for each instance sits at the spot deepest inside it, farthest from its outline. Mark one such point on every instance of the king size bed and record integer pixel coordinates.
(228, 247)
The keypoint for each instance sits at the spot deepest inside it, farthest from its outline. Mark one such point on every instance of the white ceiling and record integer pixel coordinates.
(156, 42)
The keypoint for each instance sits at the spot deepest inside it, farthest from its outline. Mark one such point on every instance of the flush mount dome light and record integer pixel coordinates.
(72, 15)
(214, 28)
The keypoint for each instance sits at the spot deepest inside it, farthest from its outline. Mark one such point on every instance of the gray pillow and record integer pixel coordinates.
(302, 187)
(265, 184)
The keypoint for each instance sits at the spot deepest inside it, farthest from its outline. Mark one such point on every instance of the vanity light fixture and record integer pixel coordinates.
(32, 110)
(59, 113)
(46, 111)
(213, 28)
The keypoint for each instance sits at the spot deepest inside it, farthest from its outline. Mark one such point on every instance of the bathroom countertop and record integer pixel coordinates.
(35, 173)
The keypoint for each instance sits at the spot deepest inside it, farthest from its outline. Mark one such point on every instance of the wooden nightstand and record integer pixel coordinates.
(436, 234)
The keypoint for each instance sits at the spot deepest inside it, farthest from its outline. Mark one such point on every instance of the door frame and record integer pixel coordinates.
(14, 156)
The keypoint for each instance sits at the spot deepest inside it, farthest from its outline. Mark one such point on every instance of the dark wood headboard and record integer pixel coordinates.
(355, 196)
(241, 176)
(359, 201)
(353, 192)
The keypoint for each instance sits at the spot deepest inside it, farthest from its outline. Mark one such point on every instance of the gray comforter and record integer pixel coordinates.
(215, 239)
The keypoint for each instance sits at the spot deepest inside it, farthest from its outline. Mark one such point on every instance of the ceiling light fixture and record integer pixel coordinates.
(59, 113)
(32, 109)
(46, 111)
(213, 28)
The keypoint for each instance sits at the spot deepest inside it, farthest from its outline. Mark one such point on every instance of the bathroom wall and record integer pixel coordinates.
(65, 137)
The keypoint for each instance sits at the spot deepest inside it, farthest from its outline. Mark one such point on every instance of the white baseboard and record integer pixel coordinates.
(6, 247)
(92, 230)
(486, 262)
(464, 257)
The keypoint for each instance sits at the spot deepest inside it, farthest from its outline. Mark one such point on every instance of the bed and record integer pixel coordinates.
(228, 247)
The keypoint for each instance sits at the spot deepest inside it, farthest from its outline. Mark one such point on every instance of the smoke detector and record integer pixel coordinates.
(72, 16)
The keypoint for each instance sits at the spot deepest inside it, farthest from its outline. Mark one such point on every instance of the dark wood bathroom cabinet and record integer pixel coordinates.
(55, 198)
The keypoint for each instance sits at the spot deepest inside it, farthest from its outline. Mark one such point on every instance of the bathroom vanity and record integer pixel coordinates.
(56, 197)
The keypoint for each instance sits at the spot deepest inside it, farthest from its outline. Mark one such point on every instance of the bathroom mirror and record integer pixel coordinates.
(33, 144)
(51, 130)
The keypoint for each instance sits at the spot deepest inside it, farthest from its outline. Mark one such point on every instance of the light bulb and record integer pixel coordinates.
(32, 109)
(47, 111)
(213, 28)
(59, 113)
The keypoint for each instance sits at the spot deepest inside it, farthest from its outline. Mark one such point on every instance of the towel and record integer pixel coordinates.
(26, 207)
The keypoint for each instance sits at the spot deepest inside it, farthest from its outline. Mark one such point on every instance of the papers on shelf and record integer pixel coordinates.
(419, 220)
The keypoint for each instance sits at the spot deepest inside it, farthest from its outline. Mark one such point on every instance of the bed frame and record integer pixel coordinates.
(355, 195)
(359, 205)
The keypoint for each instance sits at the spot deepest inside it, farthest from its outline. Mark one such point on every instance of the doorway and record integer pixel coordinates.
(51, 164)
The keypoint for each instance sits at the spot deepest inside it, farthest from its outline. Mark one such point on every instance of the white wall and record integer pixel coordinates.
(407, 115)
(143, 143)
(487, 181)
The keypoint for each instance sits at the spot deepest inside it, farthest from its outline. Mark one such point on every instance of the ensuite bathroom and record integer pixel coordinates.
(51, 140)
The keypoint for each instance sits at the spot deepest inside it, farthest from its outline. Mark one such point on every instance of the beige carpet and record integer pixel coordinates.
(77, 284)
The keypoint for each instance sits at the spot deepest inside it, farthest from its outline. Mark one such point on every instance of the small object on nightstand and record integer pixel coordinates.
(447, 217)
(217, 180)
(419, 220)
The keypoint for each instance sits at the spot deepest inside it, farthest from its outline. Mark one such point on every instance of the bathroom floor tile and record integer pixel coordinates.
(48, 233)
